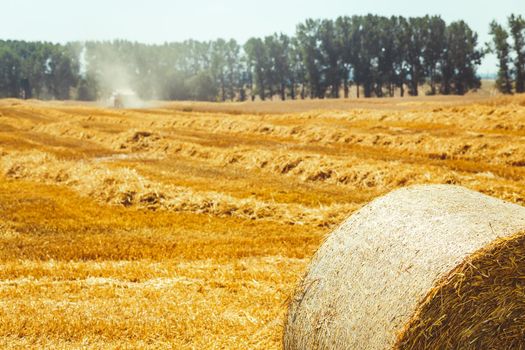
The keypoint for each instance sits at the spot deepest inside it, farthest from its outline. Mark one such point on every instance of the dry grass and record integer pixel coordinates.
(188, 227)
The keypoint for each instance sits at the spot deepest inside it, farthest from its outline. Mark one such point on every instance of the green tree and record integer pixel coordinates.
(501, 48)
(414, 58)
(460, 60)
(62, 72)
(366, 59)
(202, 87)
(344, 27)
(385, 74)
(258, 61)
(401, 43)
(297, 70)
(233, 67)
(10, 70)
(434, 45)
(307, 34)
(331, 56)
(278, 71)
(87, 89)
(517, 27)
(218, 66)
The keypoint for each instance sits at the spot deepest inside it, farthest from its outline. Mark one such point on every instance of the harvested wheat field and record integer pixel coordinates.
(189, 225)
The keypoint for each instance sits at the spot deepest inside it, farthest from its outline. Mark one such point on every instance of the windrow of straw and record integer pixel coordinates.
(126, 187)
(425, 267)
(334, 147)
(472, 133)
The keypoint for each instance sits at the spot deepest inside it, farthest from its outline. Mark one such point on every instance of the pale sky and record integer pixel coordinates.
(158, 21)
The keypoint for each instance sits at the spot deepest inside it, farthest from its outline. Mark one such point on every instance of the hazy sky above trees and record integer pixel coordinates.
(157, 21)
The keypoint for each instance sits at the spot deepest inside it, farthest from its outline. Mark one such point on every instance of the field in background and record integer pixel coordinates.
(280, 107)
(188, 225)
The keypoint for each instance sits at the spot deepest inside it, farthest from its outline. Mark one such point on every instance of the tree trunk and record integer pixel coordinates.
(26, 87)
(413, 83)
(262, 94)
(242, 94)
(520, 84)
(432, 82)
(232, 88)
(379, 90)
(367, 89)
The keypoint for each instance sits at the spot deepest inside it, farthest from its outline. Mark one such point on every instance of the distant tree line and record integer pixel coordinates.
(511, 56)
(378, 55)
(37, 70)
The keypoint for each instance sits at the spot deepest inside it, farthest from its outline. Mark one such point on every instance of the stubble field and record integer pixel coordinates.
(187, 225)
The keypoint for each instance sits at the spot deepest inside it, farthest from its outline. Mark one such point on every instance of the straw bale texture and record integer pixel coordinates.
(434, 266)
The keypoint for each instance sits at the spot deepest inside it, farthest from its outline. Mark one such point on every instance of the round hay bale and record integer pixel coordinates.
(424, 267)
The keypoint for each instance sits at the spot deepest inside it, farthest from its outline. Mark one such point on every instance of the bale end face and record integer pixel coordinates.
(479, 305)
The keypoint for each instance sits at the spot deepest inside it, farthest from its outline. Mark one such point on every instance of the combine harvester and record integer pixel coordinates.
(125, 98)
